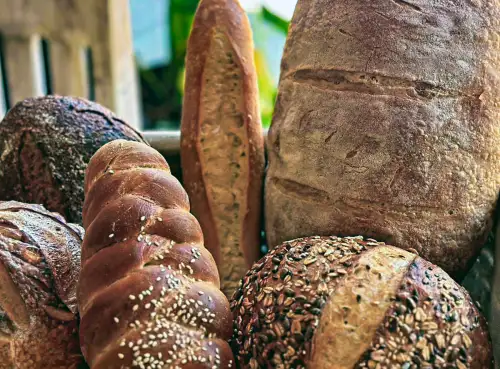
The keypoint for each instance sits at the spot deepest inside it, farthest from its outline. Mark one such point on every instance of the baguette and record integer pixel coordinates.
(149, 290)
(222, 146)
(387, 125)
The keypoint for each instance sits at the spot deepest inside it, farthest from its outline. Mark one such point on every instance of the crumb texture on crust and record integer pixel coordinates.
(224, 156)
(39, 267)
(148, 291)
(46, 143)
(419, 164)
(344, 303)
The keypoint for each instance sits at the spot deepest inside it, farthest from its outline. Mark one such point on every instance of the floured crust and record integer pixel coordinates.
(39, 267)
(222, 147)
(344, 303)
(386, 125)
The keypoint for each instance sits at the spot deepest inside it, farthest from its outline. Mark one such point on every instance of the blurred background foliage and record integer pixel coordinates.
(161, 29)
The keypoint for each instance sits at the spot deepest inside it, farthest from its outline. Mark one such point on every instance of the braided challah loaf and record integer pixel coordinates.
(149, 290)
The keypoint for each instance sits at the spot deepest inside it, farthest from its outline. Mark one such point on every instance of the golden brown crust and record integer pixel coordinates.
(39, 267)
(221, 94)
(344, 303)
(386, 125)
(148, 291)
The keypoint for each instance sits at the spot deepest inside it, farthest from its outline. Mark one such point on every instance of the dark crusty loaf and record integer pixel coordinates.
(222, 147)
(387, 125)
(343, 303)
(149, 290)
(39, 267)
(45, 145)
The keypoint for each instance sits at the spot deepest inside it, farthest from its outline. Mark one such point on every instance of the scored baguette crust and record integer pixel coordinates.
(222, 146)
(344, 303)
(148, 291)
(39, 268)
(387, 125)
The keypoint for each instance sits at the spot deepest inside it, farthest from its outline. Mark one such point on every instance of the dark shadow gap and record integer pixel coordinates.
(3, 73)
(89, 63)
(47, 74)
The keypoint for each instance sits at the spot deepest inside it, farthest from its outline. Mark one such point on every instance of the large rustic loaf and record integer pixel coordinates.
(45, 145)
(387, 124)
(149, 290)
(222, 144)
(345, 303)
(39, 267)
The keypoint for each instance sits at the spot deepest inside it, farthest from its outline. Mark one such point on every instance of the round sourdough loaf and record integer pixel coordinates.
(45, 145)
(39, 267)
(387, 125)
(342, 303)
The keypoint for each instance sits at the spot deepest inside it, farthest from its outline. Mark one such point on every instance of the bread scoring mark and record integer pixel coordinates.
(407, 4)
(343, 335)
(224, 154)
(372, 84)
(301, 191)
(11, 303)
(297, 189)
(35, 178)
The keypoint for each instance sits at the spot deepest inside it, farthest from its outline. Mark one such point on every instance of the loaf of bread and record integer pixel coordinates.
(222, 146)
(45, 145)
(149, 290)
(39, 267)
(344, 303)
(387, 125)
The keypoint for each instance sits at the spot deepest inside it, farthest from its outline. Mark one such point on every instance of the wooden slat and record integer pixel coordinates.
(24, 66)
(123, 68)
(69, 70)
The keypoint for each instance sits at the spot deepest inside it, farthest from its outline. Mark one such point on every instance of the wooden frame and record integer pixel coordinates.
(71, 27)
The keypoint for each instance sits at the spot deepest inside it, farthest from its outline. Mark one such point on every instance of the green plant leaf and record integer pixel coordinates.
(275, 20)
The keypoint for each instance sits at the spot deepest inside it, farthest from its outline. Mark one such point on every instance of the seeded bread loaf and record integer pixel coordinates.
(387, 125)
(343, 303)
(222, 146)
(39, 267)
(149, 290)
(45, 145)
